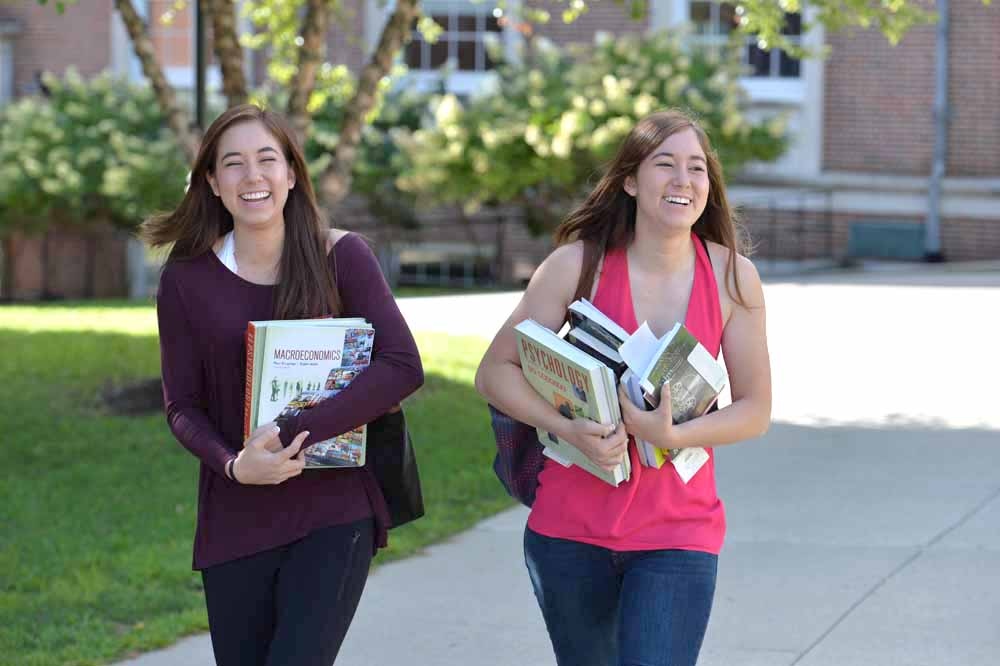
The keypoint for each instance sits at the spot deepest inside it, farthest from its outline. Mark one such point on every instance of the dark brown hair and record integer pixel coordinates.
(606, 219)
(306, 286)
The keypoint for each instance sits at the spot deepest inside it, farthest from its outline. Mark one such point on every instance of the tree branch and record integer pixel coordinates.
(314, 28)
(227, 48)
(335, 182)
(177, 119)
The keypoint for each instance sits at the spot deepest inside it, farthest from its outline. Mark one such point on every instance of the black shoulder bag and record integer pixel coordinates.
(390, 457)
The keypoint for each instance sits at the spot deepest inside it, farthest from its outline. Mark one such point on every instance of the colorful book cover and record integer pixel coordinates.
(293, 366)
(696, 379)
(576, 384)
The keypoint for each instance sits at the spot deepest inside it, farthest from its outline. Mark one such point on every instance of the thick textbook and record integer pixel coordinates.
(695, 377)
(686, 461)
(577, 385)
(584, 341)
(584, 315)
(293, 365)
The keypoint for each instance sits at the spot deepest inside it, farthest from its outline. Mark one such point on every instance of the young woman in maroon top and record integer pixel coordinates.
(626, 575)
(284, 553)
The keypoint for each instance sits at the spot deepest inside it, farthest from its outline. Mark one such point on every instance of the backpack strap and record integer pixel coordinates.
(588, 271)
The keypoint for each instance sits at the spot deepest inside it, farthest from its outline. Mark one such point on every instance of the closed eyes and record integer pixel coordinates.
(266, 159)
(668, 165)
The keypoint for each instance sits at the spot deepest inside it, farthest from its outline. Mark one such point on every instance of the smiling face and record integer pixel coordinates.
(251, 175)
(671, 185)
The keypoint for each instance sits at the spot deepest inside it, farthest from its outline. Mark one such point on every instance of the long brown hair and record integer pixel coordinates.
(306, 286)
(606, 219)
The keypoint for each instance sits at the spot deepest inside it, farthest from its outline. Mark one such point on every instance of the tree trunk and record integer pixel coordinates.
(335, 182)
(228, 51)
(46, 268)
(314, 29)
(177, 119)
(90, 265)
(7, 288)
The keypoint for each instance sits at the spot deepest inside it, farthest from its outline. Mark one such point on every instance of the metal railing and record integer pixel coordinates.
(793, 224)
(446, 249)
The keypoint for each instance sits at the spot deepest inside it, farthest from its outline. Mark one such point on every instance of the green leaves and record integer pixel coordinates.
(553, 119)
(92, 151)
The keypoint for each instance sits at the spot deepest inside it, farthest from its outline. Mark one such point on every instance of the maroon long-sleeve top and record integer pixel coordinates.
(203, 309)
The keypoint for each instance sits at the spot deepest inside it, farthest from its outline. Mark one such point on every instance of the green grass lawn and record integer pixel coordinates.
(97, 511)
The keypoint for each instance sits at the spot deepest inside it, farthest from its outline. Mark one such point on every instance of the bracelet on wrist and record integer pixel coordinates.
(231, 470)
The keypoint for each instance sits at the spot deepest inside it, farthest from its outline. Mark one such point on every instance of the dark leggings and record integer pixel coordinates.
(291, 605)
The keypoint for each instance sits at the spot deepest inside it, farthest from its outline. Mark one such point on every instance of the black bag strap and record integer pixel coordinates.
(587, 272)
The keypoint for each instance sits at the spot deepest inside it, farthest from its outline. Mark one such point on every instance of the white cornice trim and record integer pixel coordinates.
(873, 182)
(959, 200)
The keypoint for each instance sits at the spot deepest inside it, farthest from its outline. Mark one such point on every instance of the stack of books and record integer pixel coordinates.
(294, 365)
(695, 377)
(596, 334)
(576, 384)
(579, 376)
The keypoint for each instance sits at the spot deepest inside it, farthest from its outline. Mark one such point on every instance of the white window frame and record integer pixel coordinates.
(454, 10)
(801, 98)
(125, 62)
(777, 90)
(465, 83)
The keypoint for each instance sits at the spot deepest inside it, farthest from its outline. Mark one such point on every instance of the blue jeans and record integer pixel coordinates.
(611, 608)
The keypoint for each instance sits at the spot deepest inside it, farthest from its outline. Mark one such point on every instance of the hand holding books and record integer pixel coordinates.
(605, 445)
(579, 376)
(654, 426)
(582, 389)
(293, 366)
(262, 460)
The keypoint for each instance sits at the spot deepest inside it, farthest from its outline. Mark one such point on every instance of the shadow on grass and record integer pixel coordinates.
(98, 511)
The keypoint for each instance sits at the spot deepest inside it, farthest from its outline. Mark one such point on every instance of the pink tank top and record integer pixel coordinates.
(654, 509)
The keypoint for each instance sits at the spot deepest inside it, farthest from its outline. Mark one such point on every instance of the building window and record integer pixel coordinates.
(713, 21)
(6, 72)
(461, 43)
(8, 29)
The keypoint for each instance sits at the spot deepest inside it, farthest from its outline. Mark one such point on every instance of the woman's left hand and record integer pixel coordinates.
(656, 426)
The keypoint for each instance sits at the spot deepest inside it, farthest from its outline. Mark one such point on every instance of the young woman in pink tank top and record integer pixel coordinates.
(626, 575)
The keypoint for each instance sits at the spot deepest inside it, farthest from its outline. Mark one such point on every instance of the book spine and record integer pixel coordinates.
(248, 396)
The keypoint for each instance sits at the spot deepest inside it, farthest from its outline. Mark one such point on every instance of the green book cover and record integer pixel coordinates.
(577, 385)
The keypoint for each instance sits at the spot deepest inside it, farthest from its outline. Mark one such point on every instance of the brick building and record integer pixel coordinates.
(861, 121)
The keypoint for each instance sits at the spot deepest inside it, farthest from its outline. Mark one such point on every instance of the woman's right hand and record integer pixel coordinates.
(604, 444)
(264, 462)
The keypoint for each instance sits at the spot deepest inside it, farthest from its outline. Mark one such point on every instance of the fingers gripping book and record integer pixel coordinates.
(579, 375)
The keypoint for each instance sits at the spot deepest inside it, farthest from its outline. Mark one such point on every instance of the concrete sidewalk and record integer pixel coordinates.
(864, 528)
(846, 547)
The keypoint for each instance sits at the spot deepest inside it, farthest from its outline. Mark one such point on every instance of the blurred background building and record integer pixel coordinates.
(854, 182)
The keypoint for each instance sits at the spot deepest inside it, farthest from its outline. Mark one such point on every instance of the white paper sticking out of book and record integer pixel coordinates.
(695, 377)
